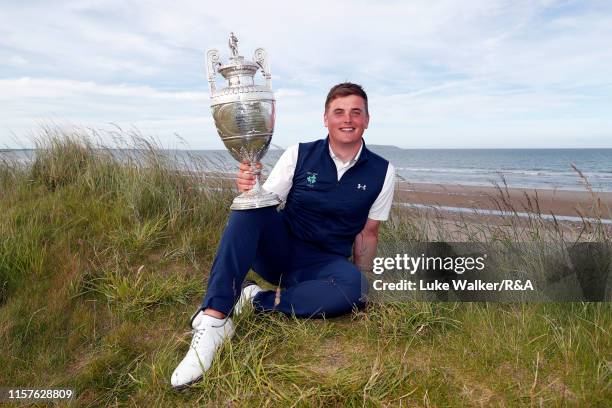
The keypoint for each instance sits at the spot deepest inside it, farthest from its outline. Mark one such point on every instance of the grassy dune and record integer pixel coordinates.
(102, 261)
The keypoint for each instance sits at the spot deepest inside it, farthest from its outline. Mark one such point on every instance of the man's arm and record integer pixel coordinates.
(364, 248)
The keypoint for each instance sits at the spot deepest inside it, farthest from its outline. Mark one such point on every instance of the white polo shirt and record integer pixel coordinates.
(280, 180)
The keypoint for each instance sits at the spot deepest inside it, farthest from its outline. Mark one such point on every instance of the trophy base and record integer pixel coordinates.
(259, 199)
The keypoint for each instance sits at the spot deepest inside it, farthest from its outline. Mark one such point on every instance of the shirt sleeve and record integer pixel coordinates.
(382, 206)
(280, 179)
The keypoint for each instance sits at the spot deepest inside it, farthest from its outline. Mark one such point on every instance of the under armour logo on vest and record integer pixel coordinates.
(361, 187)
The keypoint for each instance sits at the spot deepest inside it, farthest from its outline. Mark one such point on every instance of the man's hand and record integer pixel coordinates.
(245, 179)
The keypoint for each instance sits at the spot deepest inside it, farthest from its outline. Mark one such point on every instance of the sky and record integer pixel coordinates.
(439, 74)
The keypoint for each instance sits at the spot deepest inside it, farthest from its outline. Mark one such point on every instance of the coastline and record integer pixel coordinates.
(568, 205)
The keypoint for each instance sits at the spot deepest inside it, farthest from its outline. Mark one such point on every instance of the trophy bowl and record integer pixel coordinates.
(244, 115)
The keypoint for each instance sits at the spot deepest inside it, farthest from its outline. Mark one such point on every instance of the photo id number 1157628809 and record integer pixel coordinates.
(8, 394)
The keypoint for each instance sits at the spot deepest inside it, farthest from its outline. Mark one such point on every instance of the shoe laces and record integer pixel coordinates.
(198, 334)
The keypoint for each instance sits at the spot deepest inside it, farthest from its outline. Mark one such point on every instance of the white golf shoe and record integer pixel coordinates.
(209, 333)
(249, 290)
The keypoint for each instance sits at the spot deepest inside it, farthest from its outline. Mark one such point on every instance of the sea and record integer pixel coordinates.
(561, 169)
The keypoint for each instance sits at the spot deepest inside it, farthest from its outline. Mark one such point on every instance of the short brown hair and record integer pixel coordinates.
(346, 89)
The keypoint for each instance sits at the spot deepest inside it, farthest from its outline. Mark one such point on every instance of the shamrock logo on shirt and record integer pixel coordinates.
(312, 178)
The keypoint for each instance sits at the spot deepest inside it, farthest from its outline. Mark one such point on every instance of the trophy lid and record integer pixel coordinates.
(240, 73)
(238, 66)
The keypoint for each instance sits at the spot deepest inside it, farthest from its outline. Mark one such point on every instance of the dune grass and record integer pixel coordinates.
(103, 258)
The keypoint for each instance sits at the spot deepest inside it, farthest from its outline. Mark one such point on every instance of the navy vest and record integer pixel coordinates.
(325, 211)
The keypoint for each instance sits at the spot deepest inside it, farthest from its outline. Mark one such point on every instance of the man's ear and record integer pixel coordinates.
(325, 118)
(367, 121)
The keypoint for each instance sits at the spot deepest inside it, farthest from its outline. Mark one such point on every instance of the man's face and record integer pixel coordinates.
(346, 119)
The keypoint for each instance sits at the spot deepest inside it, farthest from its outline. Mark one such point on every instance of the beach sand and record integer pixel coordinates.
(460, 213)
(557, 202)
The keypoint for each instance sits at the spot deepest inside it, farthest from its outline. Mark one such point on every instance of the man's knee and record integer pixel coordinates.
(354, 288)
(252, 215)
(251, 219)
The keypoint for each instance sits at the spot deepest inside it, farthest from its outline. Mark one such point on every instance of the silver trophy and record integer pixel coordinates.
(244, 115)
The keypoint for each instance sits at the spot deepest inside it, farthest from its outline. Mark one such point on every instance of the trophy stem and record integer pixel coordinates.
(257, 173)
(256, 197)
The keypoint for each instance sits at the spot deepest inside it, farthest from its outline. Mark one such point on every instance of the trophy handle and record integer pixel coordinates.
(261, 58)
(212, 63)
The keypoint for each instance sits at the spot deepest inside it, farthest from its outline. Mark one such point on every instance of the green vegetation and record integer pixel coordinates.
(103, 259)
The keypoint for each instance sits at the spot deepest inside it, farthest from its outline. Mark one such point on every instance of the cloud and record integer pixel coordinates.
(432, 67)
(59, 88)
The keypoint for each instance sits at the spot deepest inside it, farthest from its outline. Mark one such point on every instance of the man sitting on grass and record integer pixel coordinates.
(336, 192)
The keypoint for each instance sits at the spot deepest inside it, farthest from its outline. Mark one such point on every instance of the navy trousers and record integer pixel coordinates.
(314, 283)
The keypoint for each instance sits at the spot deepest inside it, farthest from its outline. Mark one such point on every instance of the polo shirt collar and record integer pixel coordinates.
(361, 154)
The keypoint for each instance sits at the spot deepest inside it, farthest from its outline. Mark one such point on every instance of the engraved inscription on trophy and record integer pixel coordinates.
(244, 114)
